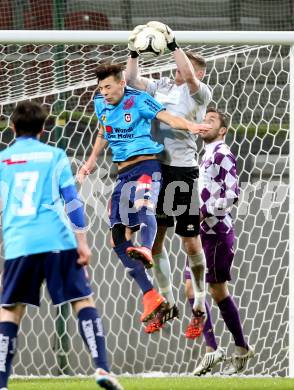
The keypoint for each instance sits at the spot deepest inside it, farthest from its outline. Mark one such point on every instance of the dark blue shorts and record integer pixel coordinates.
(66, 280)
(138, 182)
(219, 254)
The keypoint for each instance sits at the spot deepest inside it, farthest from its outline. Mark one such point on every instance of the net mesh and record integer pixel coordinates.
(40, 70)
(252, 85)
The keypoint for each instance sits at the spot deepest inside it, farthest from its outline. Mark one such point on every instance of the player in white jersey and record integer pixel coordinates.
(219, 190)
(186, 96)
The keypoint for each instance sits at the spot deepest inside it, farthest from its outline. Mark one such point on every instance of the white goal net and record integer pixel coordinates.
(251, 84)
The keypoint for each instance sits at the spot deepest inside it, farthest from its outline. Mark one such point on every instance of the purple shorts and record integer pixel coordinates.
(219, 253)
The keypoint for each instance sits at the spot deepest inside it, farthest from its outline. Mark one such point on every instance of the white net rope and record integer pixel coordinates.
(251, 84)
(40, 70)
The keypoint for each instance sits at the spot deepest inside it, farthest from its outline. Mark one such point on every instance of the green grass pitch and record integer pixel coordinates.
(173, 383)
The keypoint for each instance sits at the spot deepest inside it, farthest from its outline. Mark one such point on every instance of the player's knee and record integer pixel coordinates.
(192, 245)
(111, 242)
(12, 314)
(144, 204)
(82, 304)
(157, 247)
(213, 293)
(128, 234)
(159, 240)
(218, 291)
(118, 234)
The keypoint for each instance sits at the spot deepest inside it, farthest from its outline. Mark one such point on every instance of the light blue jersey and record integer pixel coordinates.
(128, 124)
(31, 177)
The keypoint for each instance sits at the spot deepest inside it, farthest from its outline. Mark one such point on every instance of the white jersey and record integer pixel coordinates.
(179, 145)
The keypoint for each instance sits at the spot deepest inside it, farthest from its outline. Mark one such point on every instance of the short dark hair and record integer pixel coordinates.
(107, 69)
(196, 59)
(224, 118)
(28, 118)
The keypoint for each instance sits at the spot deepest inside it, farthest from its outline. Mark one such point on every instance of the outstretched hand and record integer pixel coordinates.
(133, 36)
(197, 128)
(85, 254)
(167, 32)
(85, 170)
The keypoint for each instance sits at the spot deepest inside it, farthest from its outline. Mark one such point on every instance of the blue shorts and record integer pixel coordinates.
(140, 181)
(66, 280)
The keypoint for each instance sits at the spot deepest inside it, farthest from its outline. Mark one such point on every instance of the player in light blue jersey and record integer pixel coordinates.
(41, 242)
(125, 116)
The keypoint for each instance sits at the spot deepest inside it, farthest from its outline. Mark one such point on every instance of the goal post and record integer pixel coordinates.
(184, 37)
(291, 217)
(251, 74)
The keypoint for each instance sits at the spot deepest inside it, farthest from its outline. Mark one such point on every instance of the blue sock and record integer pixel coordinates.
(148, 227)
(136, 268)
(8, 335)
(91, 330)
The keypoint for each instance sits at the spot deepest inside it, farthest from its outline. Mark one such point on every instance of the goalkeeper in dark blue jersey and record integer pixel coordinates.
(41, 243)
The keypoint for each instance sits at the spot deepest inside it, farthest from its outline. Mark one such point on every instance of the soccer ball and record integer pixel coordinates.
(150, 42)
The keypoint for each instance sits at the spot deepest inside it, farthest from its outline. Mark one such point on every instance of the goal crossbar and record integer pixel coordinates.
(116, 36)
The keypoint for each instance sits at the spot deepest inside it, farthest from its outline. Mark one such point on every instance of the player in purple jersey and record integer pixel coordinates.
(125, 116)
(36, 180)
(218, 188)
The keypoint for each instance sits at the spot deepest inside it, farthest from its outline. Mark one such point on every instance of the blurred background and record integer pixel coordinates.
(125, 14)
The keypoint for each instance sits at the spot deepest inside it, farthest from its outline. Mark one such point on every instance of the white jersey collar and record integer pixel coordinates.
(209, 148)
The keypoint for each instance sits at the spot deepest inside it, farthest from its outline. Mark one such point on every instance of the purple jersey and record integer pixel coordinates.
(218, 188)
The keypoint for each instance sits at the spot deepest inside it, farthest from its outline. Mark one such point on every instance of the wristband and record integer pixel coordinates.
(173, 45)
(134, 54)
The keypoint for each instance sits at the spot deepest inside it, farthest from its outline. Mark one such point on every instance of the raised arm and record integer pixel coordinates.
(133, 78)
(184, 65)
(187, 71)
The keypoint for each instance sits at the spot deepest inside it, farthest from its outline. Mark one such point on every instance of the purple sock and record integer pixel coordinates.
(148, 227)
(208, 332)
(8, 335)
(91, 330)
(230, 314)
(136, 268)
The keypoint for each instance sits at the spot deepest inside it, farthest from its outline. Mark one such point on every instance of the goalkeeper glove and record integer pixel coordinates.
(167, 32)
(131, 40)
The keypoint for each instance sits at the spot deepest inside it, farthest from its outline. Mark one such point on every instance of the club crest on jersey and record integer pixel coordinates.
(103, 118)
(129, 103)
(128, 118)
